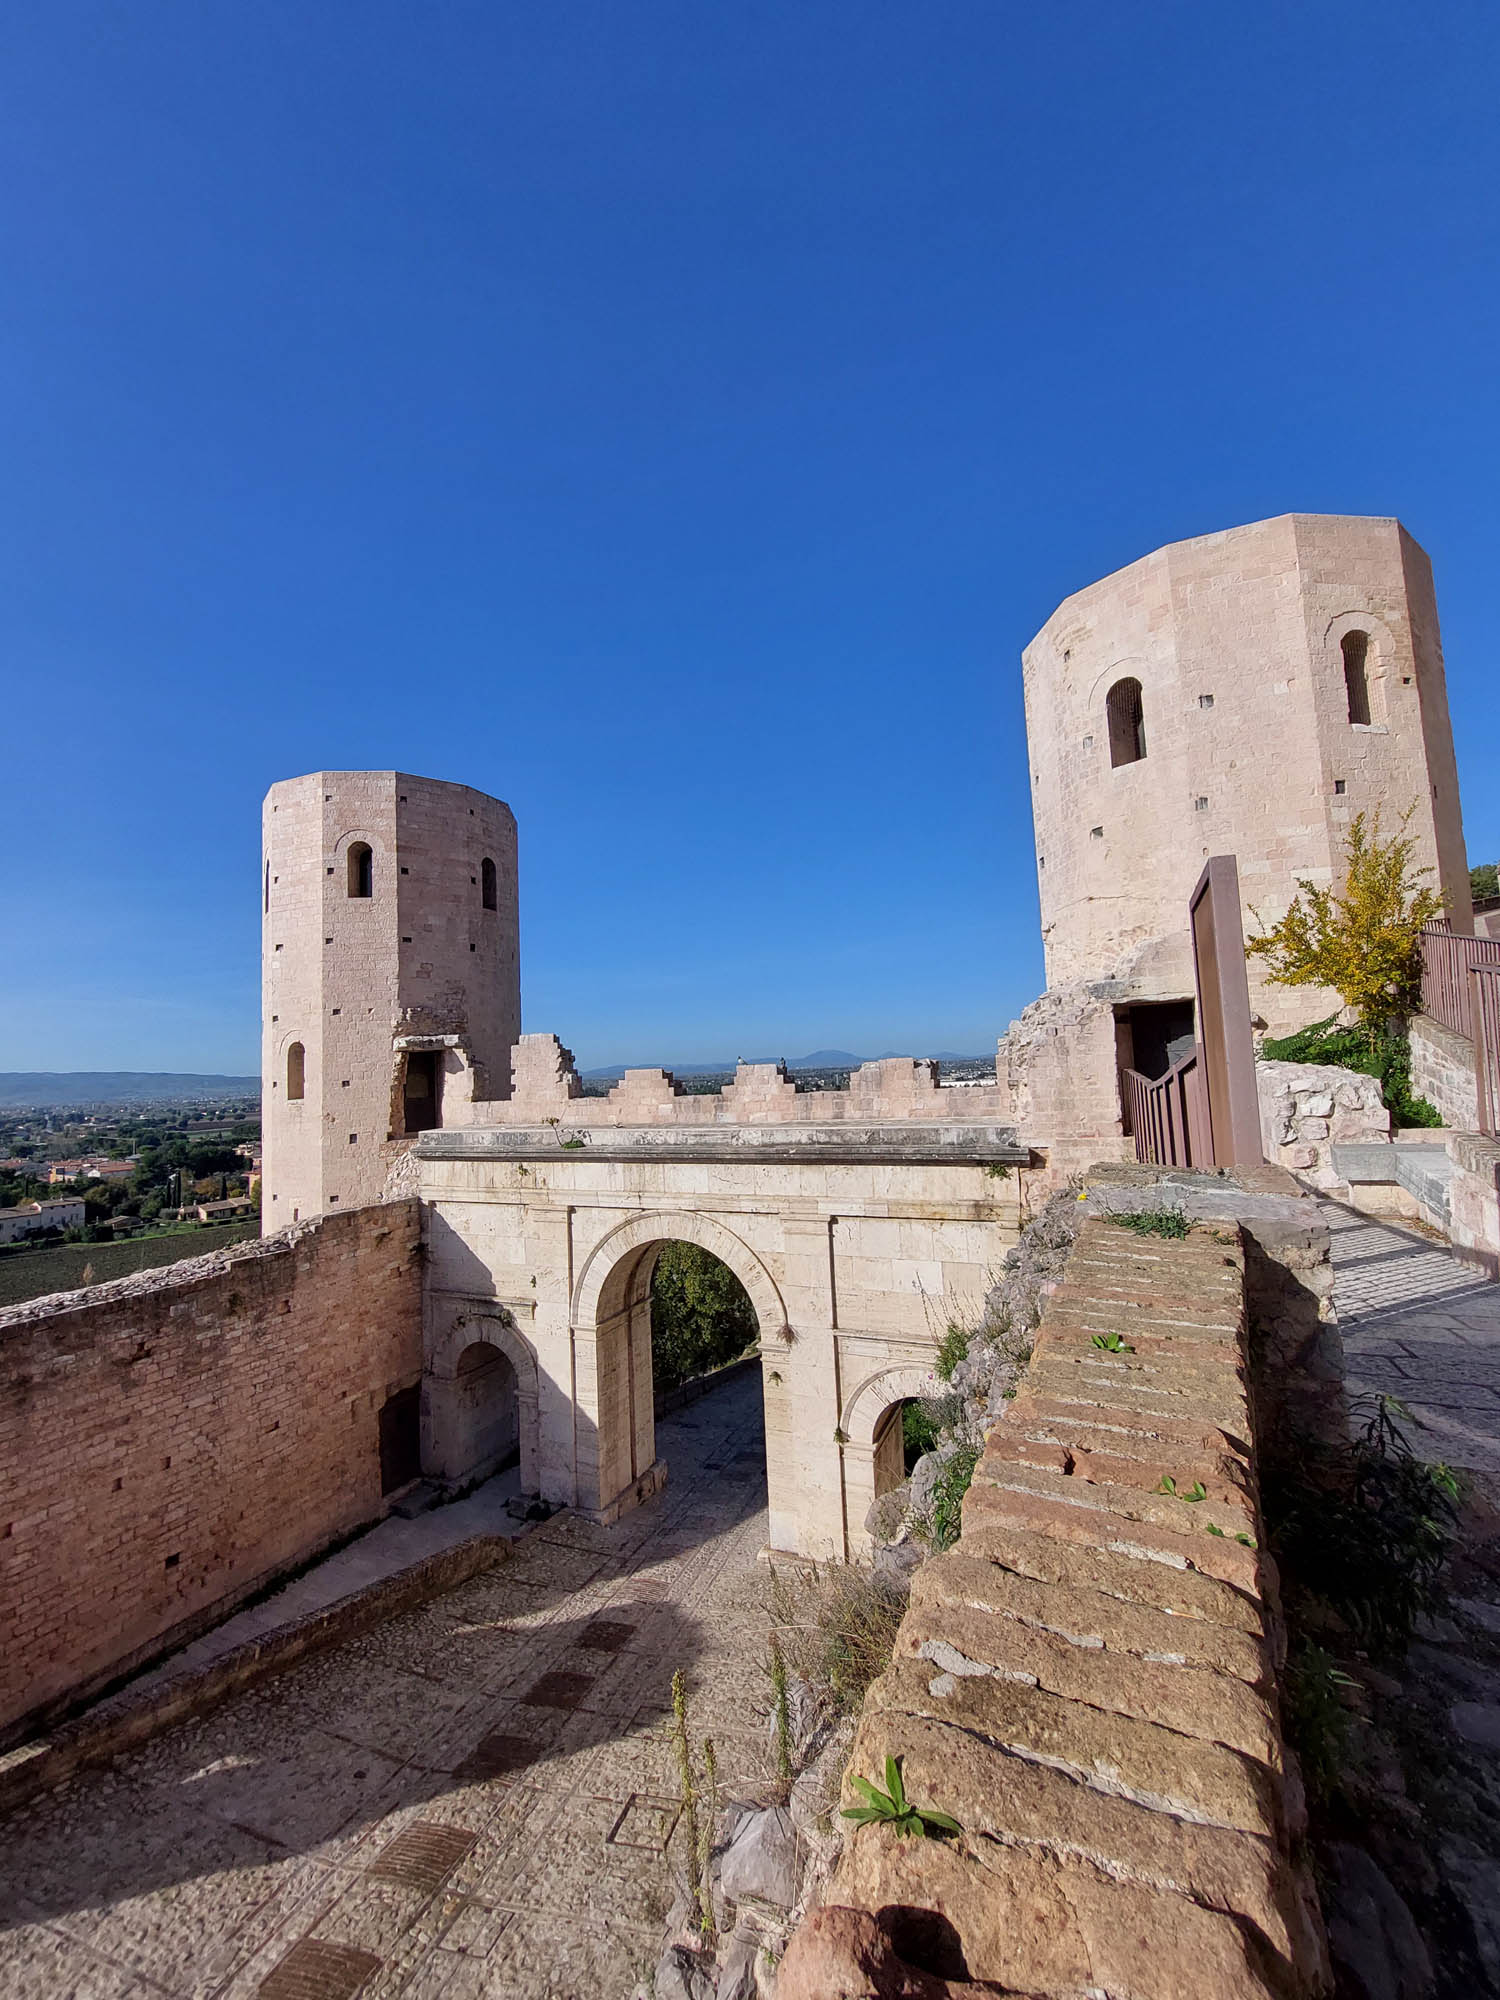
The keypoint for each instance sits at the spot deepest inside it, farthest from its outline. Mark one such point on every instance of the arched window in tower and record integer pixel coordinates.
(1127, 723)
(296, 1070)
(361, 870)
(487, 884)
(1356, 647)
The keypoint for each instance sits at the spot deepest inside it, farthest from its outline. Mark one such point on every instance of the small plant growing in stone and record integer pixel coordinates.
(682, 1743)
(952, 1348)
(1245, 1541)
(892, 1808)
(1196, 1492)
(1169, 1222)
(948, 1496)
(998, 1170)
(706, 1834)
(781, 1711)
(1113, 1344)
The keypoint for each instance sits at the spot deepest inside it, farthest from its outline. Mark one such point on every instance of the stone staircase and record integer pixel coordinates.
(1086, 1682)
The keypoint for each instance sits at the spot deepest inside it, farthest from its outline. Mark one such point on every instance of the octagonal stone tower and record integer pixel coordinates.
(390, 972)
(1242, 693)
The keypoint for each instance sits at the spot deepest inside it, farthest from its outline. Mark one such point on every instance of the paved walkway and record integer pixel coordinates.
(477, 1799)
(1420, 1325)
(393, 1546)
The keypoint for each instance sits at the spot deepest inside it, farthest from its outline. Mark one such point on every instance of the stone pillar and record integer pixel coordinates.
(804, 1467)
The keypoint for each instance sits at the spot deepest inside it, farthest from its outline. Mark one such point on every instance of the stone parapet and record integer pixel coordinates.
(1474, 1195)
(1086, 1682)
(1442, 1071)
(927, 1143)
(895, 1090)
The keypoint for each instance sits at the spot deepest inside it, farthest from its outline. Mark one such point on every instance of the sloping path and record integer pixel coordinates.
(1419, 1324)
(475, 1799)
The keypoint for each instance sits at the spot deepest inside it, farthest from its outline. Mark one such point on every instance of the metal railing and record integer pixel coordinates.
(1169, 1116)
(1446, 963)
(1484, 1017)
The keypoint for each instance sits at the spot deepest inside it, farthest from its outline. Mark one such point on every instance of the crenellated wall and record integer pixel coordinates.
(545, 1087)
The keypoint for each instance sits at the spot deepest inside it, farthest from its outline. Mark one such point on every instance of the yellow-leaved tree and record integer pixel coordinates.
(1365, 943)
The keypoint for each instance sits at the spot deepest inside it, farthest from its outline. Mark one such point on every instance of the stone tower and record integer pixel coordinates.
(1242, 693)
(390, 974)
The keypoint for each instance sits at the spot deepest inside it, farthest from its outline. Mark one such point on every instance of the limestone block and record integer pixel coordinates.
(761, 1859)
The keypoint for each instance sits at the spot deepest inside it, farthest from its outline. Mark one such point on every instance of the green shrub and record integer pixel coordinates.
(920, 1431)
(836, 1624)
(1385, 1055)
(1153, 1222)
(952, 1348)
(1361, 1531)
(948, 1496)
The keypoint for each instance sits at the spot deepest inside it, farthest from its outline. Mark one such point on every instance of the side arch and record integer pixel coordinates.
(869, 1401)
(471, 1322)
(629, 1237)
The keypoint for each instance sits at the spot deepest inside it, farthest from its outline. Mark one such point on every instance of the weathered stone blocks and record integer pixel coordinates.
(1086, 1681)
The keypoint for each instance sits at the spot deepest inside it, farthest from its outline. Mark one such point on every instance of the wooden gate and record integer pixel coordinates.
(1205, 1111)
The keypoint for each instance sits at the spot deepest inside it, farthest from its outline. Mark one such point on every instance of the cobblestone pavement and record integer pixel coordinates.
(1420, 1325)
(476, 1799)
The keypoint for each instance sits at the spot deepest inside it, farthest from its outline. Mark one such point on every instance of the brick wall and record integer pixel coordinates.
(170, 1442)
(1087, 1680)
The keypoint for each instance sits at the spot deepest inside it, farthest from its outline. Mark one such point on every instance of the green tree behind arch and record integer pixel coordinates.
(701, 1315)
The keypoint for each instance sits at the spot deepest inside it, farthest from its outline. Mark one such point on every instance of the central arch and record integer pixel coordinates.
(615, 1439)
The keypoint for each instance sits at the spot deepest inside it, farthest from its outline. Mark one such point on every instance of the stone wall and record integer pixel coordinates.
(1442, 1071)
(1306, 1109)
(171, 1442)
(546, 1089)
(1086, 1682)
(857, 1245)
(1474, 1195)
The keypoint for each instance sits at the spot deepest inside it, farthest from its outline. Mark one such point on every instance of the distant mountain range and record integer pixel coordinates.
(819, 1059)
(20, 1088)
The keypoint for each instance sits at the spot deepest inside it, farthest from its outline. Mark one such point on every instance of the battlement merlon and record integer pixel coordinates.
(894, 1091)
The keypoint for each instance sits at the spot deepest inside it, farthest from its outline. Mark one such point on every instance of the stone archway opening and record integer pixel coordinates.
(475, 1415)
(702, 1317)
(670, 1312)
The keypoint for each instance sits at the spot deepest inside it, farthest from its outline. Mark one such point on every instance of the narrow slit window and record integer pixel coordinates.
(1356, 649)
(361, 870)
(487, 884)
(296, 1070)
(1127, 723)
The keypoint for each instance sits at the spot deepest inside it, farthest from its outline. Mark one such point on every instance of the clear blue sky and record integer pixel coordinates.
(675, 419)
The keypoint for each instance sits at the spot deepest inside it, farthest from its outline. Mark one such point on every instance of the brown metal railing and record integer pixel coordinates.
(1169, 1117)
(1446, 963)
(1484, 1017)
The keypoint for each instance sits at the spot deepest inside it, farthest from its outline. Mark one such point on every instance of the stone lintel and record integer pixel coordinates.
(917, 1143)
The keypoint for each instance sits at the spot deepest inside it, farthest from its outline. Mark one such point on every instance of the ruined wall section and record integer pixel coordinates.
(361, 982)
(171, 1442)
